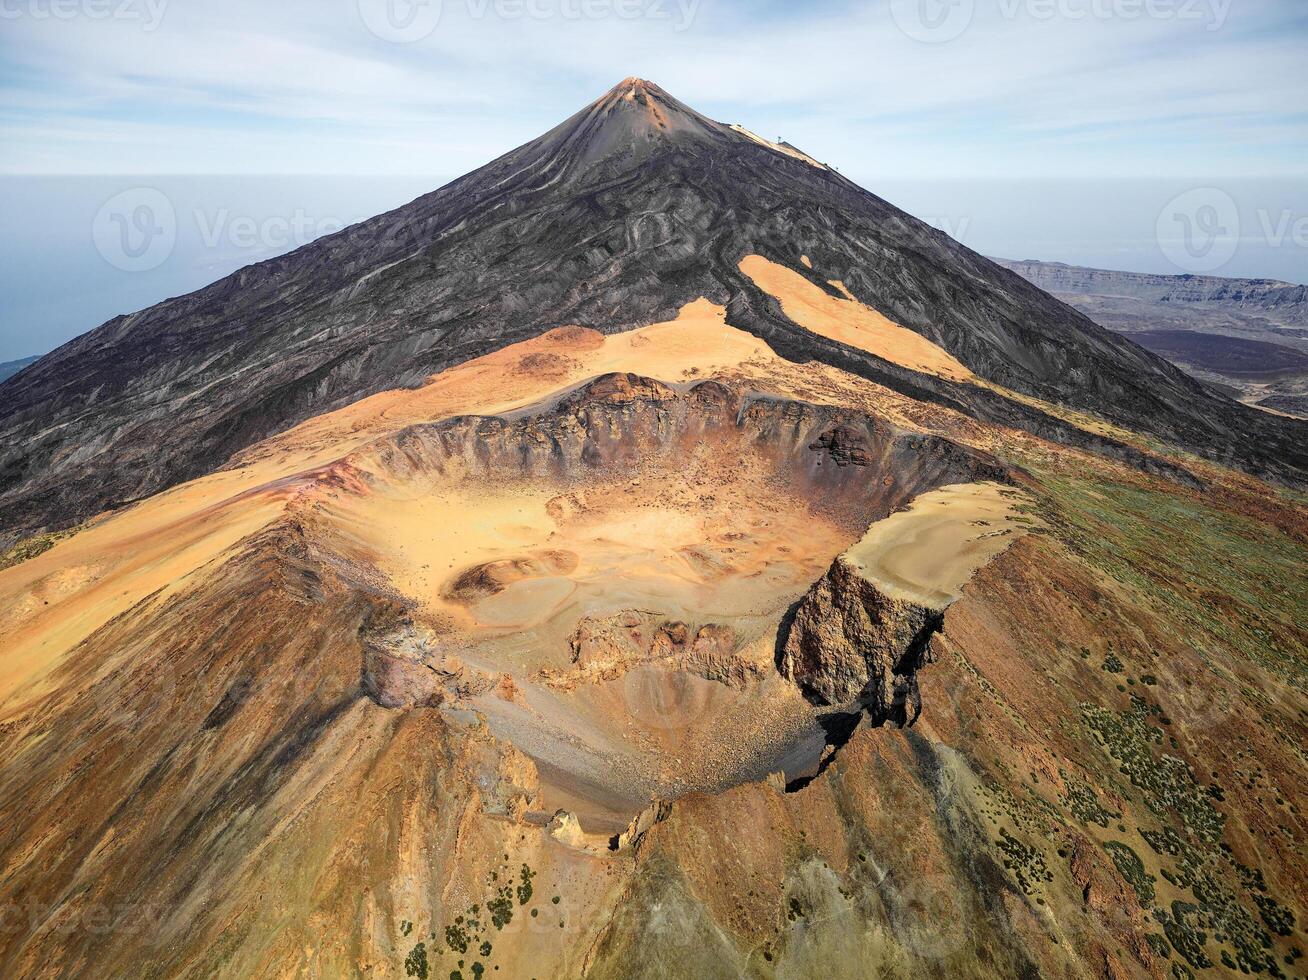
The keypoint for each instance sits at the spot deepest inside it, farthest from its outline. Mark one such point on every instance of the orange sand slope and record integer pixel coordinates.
(51, 603)
(850, 322)
(927, 553)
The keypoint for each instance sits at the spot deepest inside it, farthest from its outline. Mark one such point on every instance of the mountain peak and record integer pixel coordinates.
(631, 119)
(648, 107)
(631, 86)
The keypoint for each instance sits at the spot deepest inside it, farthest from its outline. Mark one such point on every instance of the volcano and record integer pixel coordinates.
(650, 555)
(617, 218)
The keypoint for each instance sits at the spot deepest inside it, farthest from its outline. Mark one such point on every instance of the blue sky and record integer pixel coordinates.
(921, 88)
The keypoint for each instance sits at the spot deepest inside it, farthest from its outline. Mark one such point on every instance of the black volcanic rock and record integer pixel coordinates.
(850, 644)
(618, 217)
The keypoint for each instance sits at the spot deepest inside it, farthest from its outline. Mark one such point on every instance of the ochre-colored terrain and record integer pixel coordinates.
(658, 655)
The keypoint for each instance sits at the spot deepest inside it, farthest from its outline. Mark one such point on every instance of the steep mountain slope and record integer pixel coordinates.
(619, 217)
(802, 628)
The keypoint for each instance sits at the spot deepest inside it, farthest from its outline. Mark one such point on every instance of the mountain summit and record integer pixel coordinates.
(632, 115)
(619, 217)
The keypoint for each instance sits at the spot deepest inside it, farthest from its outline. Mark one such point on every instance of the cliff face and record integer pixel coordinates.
(850, 643)
(846, 462)
(1280, 302)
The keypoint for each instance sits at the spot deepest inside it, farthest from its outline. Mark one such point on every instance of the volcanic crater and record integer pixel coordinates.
(606, 576)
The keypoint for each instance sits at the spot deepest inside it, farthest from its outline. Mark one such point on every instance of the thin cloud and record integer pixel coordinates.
(251, 87)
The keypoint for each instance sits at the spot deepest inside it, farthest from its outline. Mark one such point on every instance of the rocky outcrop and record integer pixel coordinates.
(850, 643)
(566, 828)
(641, 824)
(1281, 303)
(604, 648)
(404, 666)
(618, 425)
(397, 682)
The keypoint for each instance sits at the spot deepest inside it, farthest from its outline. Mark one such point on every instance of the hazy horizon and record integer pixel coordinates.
(62, 275)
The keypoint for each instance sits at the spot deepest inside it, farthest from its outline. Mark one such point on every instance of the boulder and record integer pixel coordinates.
(850, 643)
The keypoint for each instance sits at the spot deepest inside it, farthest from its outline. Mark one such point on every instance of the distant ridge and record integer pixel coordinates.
(1284, 303)
(9, 368)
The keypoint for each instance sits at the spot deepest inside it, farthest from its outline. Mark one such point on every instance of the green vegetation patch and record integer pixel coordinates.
(468, 931)
(1169, 784)
(1025, 862)
(1219, 574)
(1183, 932)
(415, 964)
(1159, 945)
(1216, 908)
(37, 544)
(524, 889)
(1278, 918)
(1133, 870)
(1085, 805)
